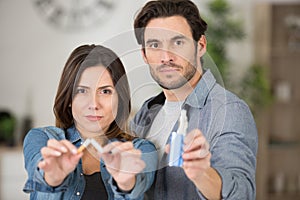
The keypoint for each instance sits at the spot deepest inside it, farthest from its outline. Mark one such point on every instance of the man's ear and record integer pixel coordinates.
(144, 55)
(202, 45)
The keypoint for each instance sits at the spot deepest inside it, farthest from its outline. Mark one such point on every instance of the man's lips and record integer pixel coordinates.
(94, 117)
(169, 68)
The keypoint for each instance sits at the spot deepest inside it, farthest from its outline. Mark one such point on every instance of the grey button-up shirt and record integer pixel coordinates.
(229, 127)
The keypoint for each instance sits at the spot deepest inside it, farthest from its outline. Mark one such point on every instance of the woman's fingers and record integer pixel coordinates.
(68, 146)
(57, 147)
(50, 152)
(118, 147)
(122, 157)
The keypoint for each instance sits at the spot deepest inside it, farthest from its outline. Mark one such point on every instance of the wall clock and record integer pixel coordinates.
(74, 15)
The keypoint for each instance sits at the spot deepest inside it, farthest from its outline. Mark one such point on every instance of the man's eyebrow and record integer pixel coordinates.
(177, 37)
(149, 41)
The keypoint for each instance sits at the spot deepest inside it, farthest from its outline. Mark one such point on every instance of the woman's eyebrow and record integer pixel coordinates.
(106, 86)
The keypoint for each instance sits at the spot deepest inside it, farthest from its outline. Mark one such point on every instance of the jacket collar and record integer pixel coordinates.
(198, 96)
(73, 135)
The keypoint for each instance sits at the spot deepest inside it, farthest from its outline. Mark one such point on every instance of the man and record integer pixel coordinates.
(219, 152)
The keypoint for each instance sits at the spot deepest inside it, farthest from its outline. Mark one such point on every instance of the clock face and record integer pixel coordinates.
(74, 14)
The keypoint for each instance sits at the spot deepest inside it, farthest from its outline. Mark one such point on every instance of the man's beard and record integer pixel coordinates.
(187, 76)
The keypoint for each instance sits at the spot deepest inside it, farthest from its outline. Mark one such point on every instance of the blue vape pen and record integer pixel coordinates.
(176, 146)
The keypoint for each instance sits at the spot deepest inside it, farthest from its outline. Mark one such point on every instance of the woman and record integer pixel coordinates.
(92, 101)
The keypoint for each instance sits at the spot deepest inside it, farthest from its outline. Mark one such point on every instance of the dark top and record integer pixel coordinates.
(94, 187)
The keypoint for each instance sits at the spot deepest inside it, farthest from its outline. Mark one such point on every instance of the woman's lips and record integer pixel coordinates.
(94, 118)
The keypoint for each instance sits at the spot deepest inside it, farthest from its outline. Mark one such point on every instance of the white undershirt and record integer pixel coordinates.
(163, 125)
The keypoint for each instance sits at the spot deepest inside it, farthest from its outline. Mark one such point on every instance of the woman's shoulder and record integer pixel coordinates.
(50, 131)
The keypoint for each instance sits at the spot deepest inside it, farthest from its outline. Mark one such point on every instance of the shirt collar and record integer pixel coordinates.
(198, 96)
(73, 135)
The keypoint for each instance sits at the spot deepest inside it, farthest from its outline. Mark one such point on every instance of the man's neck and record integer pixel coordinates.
(180, 94)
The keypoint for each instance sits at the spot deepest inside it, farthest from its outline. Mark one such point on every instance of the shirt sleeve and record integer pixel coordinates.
(144, 179)
(33, 142)
(234, 151)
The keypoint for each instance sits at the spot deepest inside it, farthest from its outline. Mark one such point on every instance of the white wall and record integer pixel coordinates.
(32, 54)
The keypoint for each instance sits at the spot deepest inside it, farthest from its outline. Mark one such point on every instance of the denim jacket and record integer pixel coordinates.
(229, 127)
(74, 184)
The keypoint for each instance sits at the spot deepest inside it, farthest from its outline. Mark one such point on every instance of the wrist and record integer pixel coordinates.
(126, 186)
(52, 180)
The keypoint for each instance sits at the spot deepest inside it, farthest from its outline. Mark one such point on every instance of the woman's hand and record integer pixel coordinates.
(123, 162)
(59, 159)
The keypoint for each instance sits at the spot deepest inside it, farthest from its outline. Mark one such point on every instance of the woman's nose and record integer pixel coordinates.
(93, 102)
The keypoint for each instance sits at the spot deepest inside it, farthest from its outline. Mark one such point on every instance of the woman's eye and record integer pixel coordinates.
(80, 91)
(106, 91)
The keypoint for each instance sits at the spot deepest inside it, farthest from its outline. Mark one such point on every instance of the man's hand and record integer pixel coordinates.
(197, 166)
(196, 155)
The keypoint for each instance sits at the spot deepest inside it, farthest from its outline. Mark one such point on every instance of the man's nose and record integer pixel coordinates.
(167, 56)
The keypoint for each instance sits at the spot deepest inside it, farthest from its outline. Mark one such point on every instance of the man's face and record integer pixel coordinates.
(170, 51)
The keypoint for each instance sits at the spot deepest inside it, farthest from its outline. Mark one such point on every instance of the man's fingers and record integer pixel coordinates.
(197, 163)
(194, 155)
(167, 148)
(194, 141)
(191, 136)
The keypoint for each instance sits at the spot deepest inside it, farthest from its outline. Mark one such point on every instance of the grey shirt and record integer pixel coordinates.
(229, 127)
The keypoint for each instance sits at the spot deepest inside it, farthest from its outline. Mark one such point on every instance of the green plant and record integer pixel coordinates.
(222, 28)
(253, 87)
(7, 127)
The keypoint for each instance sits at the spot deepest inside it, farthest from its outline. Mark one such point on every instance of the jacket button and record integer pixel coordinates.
(77, 193)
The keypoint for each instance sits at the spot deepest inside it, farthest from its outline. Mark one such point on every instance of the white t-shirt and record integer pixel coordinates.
(163, 124)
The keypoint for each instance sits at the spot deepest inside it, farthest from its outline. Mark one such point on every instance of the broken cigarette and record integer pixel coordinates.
(96, 145)
(84, 145)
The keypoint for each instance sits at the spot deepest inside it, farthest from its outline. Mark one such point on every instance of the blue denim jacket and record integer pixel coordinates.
(228, 125)
(73, 186)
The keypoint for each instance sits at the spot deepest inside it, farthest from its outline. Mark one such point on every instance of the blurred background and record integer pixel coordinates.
(254, 43)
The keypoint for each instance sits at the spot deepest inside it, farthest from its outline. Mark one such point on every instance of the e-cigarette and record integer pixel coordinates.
(176, 146)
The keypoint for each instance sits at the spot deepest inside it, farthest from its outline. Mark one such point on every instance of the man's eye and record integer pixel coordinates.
(153, 45)
(178, 42)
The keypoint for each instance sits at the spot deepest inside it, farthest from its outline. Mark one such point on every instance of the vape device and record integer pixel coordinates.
(176, 145)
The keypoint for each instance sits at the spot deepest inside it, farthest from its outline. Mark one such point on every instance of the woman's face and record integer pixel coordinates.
(95, 103)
